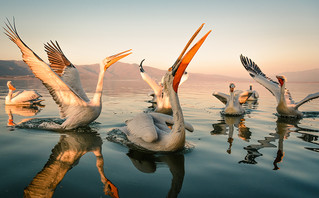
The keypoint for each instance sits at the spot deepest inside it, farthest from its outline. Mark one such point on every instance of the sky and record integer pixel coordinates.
(279, 35)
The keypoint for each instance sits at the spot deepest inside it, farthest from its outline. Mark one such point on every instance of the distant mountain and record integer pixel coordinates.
(130, 72)
(303, 76)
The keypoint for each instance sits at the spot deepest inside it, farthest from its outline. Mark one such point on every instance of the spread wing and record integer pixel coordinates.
(62, 94)
(64, 68)
(307, 99)
(242, 96)
(260, 77)
(222, 97)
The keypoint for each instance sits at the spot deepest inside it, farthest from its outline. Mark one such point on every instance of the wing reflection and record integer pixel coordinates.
(283, 129)
(25, 111)
(147, 163)
(65, 155)
(228, 123)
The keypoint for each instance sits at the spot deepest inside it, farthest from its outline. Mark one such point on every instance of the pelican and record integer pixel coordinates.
(286, 106)
(63, 83)
(233, 101)
(254, 96)
(26, 97)
(160, 99)
(150, 131)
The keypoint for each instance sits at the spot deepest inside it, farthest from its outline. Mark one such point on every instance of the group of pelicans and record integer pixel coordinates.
(160, 131)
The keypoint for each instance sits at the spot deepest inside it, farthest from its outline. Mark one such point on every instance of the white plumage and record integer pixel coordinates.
(159, 132)
(25, 97)
(233, 101)
(160, 99)
(286, 106)
(63, 85)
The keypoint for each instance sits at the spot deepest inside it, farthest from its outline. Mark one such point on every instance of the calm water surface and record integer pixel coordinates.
(256, 155)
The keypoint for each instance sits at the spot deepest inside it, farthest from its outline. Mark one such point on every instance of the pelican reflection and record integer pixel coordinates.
(229, 124)
(147, 163)
(65, 155)
(283, 129)
(25, 111)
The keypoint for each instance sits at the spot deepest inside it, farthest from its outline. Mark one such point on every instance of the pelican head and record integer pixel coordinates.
(179, 67)
(108, 61)
(10, 86)
(232, 87)
(281, 79)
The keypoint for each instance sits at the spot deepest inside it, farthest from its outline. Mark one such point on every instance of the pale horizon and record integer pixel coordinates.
(279, 36)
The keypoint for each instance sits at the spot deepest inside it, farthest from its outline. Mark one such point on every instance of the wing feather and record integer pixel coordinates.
(222, 97)
(142, 126)
(256, 73)
(307, 99)
(25, 96)
(163, 119)
(243, 96)
(64, 68)
(63, 95)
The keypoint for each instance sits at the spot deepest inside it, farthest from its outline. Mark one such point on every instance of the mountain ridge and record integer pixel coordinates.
(14, 68)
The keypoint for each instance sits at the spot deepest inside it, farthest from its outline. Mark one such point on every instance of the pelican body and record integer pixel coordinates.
(62, 80)
(25, 98)
(286, 106)
(254, 96)
(160, 99)
(233, 101)
(151, 131)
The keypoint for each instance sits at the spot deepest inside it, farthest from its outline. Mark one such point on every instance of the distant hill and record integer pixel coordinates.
(130, 72)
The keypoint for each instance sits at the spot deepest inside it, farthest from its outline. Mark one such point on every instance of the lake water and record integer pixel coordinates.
(257, 155)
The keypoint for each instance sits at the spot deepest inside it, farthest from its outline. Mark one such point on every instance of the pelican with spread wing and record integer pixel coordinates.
(62, 80)
(160, 132)
(233, 101)
(24, 98)
(286, 106)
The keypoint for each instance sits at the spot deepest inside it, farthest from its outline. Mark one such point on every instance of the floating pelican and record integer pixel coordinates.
(233, 101)
(26, 97)
(160, 99)
(286, 106)
(67, 92)
(254, 96)
(151, 131)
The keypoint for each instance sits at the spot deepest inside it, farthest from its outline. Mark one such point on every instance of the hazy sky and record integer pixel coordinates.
(278, 35)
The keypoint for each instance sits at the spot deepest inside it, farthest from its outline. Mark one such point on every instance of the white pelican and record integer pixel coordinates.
(150, 131)
(26, 97)
(233, 101)
(160, 99)
(286, 106)
(67, 92)
(254, 96)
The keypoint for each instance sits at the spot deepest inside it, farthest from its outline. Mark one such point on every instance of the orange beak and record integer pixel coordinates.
(11, 87)
(114, 58)
(181, 63)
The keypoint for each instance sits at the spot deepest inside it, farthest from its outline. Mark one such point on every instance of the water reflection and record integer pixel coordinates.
(284, 127)
(25, 111)
(65, 155)
(228, 123)
(147, 163)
